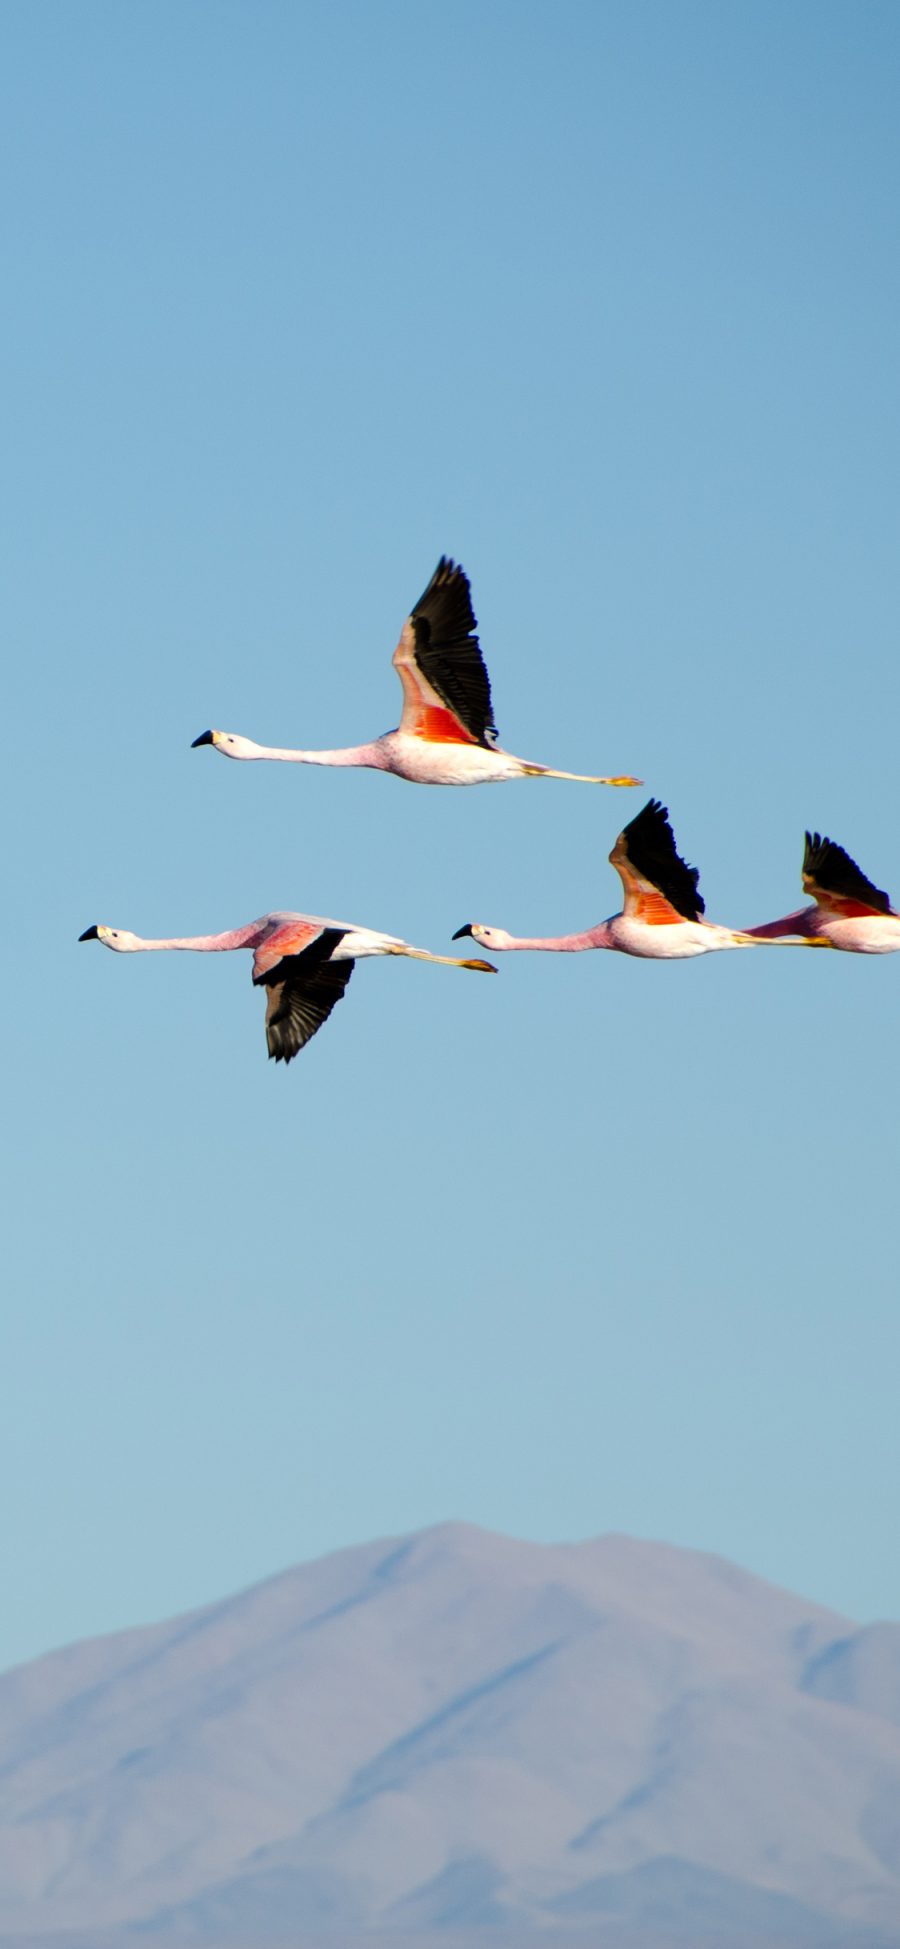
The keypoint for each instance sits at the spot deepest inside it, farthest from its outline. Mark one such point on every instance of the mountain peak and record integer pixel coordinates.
(456, 1728)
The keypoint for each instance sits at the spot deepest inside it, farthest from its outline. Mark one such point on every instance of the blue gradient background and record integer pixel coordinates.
(603, 301)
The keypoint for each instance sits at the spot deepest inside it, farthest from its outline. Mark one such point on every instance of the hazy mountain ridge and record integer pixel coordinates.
(457, 1729)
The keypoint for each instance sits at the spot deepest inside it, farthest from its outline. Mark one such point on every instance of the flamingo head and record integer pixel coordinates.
(117, 938)
(230, 745)
(494, 937)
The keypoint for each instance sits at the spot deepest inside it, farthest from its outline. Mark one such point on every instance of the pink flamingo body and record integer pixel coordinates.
(446, 734)
(848, 911)
(304, 962)
(663, 912)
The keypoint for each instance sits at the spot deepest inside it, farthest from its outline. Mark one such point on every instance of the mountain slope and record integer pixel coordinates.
(461, 1730)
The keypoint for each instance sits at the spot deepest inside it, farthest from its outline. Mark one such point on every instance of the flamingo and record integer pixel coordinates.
(662, 917)
(304, 962)
(446, 734)
(848, 911)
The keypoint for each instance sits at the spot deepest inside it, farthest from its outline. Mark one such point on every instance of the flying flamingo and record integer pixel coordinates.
(304, 962)
(446, 734)
(662, 918)
(849, 912)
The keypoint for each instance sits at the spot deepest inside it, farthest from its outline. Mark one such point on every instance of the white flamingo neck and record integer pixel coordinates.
(204, 943)
(351, 754)
(561, 943)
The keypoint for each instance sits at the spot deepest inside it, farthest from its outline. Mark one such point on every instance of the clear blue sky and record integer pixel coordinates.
(602, 300)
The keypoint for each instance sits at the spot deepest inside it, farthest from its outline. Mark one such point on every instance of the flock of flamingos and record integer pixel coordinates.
(447, 736)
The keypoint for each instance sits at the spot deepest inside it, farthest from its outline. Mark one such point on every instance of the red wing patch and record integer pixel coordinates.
(435, 726)
(840, 904)
(291, 939)
(643, 901)
(655, 910)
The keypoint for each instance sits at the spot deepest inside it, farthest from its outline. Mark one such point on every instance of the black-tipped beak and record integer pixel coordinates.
(206, 737)
(463, 930)
(90, 934)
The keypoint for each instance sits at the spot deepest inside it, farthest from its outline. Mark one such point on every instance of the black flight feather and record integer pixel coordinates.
(830, 868)
(303, 990)
(651, 849)
(448, 652)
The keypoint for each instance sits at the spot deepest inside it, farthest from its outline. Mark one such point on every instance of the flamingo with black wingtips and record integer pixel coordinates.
(446, 734)
(662, 917)
(302, 961)
(847, 911)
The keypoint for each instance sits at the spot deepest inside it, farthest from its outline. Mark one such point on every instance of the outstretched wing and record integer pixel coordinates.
(446, 689)
(659, 888)
(303, 990)
(836, 882)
